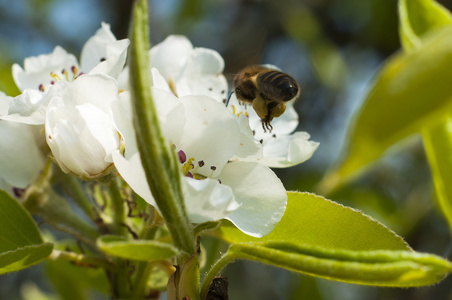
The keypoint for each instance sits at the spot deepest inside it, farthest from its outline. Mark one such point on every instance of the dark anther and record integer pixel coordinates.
(182, 156)
(201, 163)
(213, 168)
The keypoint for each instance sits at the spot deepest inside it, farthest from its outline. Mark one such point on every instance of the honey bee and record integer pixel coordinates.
(267, 89)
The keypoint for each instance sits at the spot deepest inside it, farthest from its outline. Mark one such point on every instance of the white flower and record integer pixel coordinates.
(79, 126)
(205, 136)
(188, 70)
(280, 148)
(48, 75)
(20, 159)
(102, 53)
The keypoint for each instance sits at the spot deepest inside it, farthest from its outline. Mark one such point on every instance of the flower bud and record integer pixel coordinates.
(79, 126)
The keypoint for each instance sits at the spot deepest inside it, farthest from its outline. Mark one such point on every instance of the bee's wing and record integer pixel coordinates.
(273, 67)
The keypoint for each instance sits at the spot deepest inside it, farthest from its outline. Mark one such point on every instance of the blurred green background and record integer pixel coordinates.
(331, 47)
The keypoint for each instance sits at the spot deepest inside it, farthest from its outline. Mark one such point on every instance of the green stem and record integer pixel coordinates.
(74, 188)
(144, 269)
(216, 268)
(54, 209)
(81, 259)
(142, 274)
(158, 160)
(121, 283)
(117, 204)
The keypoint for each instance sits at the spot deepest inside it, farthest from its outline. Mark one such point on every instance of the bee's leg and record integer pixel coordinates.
(263, 125)
(266, 123)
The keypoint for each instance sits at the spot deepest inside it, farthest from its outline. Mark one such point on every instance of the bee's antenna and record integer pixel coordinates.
(229, 97)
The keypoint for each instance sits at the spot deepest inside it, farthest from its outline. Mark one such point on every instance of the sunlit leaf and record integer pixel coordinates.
(313, 220)
(417, 17)
(324, 239)
(142, 250)
(378, 267)
(24, 257)
(410, 92)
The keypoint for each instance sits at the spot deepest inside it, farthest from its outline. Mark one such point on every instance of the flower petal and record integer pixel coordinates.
(211, 134)
(208, 200)
(30, 106)
(115, 58)
(21, 160)
(131, 170)
(95, 48)
(249, 149)
(97, 89)
(261, 196)
(102, 53)
(4, 103)
(170, 56)
(202, 75)
(158, 81)
(288, 150)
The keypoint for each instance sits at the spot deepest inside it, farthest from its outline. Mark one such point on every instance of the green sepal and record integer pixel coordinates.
(141, 250)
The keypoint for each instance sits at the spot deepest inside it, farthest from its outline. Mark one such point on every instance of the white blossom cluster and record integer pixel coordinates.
(80, 114)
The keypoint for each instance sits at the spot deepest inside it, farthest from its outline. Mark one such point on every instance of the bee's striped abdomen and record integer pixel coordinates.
(277, 85)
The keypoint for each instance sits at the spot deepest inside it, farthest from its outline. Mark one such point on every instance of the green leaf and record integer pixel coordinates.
(378, 267)
(438, 147)
(142, 250)
(21, 245)
(24, 257)
(82, 280)
(417, 17)
(321, 238)
(411, 91)
(17, 228)
(313, 220)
